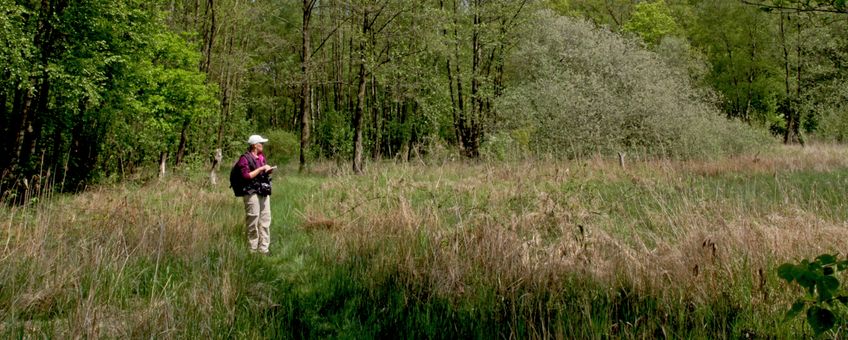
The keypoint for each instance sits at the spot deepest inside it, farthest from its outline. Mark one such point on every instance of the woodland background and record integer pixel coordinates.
(98, 89)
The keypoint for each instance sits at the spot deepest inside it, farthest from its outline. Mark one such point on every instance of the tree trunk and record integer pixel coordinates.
(15, 127)
(226, 84)
(375, 118)
(413, 136)
(796, 133)
(57, 144)
(216, 163)
(306, 89)
(37, 118)
(75, 165)
(163, 158)
(454, 107)
(785, 54)
(208, 37)
(407, 142)
(734, 110)
(357, 121)
(4, 116)
(747, 113)
(21, 130)
(360, 101)
(195, 13)
(183, 139)
(449, 68)
(223, 116)
(461, 118)
(787, 107)
(791, 105)
(473, 142)
(338, 64)
(349, 104)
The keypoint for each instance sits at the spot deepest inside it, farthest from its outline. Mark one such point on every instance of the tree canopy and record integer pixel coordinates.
(96, 89)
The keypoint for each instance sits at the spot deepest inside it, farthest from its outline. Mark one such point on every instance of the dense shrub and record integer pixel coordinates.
(282, 147)
(511, 145)
(585, 90)
(833, 113)
(333, 135)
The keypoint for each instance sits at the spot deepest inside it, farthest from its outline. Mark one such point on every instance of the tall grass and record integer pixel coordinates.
(579, 249)
(163, 259)
(584, 249)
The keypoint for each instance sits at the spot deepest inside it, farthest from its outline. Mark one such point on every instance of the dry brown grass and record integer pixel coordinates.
(530, 227)
(70, 264)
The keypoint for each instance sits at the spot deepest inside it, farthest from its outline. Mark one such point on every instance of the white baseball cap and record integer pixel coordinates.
(256, 139)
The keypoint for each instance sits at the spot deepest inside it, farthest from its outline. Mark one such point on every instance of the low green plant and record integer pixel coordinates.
(824, 299)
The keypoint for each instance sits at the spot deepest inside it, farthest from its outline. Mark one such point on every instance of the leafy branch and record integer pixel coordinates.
(823, 292)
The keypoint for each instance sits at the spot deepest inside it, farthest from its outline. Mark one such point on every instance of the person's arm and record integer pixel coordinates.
(258, 171)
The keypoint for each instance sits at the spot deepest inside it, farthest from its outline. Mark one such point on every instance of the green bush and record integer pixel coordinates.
(584, 90)
(512, 145)
(834, 122)
(282, 147)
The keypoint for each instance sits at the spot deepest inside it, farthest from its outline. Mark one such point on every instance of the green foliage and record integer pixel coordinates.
(114, 85)
(512, 145)
(652, 21)
(334, 135)
(685, 59)
(16, 44)
(745, 59)
(113, 91)
(583, 90)
(282, 147)
(738, 51)
(160, 93)
(561, 7)
(825, 301)
(825, 82)
(170, 93)
(499, 146)
(606, 13)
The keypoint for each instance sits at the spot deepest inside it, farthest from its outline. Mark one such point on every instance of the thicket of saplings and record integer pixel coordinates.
(577, 248)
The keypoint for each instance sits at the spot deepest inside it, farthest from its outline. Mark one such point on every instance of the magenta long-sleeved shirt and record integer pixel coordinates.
(244, 165)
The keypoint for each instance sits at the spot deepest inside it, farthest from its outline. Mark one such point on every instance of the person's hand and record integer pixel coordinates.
(266, 168)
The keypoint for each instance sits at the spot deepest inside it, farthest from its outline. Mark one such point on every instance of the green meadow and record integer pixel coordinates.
(578, 249)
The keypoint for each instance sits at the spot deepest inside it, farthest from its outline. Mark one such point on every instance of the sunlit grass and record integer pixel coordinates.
(539, 249)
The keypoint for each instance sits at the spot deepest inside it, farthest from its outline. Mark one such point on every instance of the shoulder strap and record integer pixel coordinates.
(251, 162)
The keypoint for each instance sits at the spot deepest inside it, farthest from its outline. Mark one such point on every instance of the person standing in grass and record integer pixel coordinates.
(256, 192)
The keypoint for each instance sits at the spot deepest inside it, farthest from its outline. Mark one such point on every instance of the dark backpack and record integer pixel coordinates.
(237, 182)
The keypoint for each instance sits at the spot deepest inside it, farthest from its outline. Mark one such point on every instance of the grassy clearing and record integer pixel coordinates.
(540, 249)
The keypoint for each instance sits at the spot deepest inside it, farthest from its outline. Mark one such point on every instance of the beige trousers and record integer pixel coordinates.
(258, 211)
